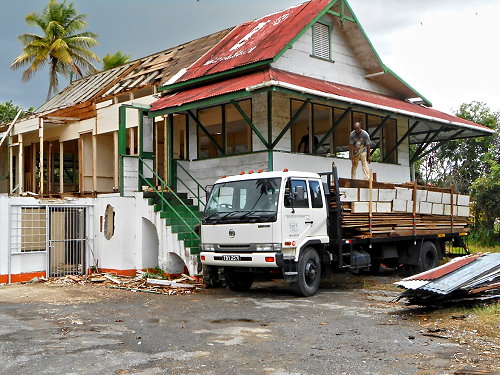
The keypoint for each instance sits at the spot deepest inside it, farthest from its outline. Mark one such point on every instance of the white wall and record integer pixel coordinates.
(345, 68)
(310, 163)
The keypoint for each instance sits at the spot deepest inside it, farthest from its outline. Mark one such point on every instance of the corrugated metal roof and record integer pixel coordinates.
(454, 280)
(299, 83)
(139, 73)
(255, 41)
(445, 269)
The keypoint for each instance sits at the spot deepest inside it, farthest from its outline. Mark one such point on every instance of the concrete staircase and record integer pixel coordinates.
(190, 214)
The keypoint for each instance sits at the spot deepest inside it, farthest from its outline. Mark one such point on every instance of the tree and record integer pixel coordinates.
(8, 112)
(486, 194)
(462, 161)
(61, 45)
(113, 60)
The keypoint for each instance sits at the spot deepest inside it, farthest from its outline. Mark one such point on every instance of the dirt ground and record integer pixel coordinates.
(350, 327)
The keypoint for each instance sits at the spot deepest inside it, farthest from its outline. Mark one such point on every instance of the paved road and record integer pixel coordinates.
(60, 329)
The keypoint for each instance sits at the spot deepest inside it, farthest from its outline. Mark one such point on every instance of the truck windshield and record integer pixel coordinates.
(247, 200)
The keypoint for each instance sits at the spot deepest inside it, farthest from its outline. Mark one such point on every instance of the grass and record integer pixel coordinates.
(476, 248)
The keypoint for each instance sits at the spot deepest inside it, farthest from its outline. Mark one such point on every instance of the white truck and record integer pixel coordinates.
(289, 224)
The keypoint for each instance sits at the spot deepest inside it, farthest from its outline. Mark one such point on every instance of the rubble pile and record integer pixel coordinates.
(470, 278)
(184, 284)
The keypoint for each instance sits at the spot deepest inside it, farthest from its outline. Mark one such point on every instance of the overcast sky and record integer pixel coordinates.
(447, 50)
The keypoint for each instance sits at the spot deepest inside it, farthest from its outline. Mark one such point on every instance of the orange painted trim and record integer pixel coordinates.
(20, 277)
(131, 272)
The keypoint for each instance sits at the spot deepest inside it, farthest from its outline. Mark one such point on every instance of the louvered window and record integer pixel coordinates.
(321, 41)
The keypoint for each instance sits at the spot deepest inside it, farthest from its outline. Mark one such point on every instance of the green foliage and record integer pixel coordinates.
(113, 60)
(485, 192)
(8, 112)
(460, 162)
(62, 45)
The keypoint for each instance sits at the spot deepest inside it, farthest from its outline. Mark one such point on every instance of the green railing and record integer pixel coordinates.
(163, 201)
(201, 202)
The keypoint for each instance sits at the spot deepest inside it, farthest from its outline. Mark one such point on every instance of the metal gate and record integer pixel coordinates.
(58, 231)
(66, 240)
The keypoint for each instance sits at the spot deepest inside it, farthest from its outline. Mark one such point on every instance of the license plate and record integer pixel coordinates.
(231, 257)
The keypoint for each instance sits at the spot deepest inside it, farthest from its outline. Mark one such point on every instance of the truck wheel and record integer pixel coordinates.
(211, 276)
(309, 273)
(238, 281)
(427, 259)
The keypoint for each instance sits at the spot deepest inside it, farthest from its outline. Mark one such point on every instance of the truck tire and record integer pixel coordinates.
(238, 281)
(309, 273)
(427, 259)
(211, 276)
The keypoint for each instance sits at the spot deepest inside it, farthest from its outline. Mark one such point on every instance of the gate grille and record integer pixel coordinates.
(58, 231)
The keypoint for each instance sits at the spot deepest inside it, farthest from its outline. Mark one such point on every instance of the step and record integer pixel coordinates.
(169, 214)
(194, 250)
(192, 243)
(154, 194)
(185, 220)
(187, 236)
(180, 228)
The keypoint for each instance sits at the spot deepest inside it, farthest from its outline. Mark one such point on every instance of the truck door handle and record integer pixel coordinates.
(309, 222)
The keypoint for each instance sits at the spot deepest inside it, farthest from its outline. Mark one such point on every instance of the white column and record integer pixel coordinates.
(61, 167)
(21, 163)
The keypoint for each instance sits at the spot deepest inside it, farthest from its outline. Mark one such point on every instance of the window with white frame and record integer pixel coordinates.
(321, 41)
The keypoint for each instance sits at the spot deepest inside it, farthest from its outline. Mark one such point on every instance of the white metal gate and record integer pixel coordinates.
(66, 240)
(56, 230)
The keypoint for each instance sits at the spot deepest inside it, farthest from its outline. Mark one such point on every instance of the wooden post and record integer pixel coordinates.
(49, 169)
(11, 165)
(61, 167)
(452, 193)
(116, 161)
(94, 163)
(370, 203)
(415, 207)
(21, 163)
(41, 155)
(33, 168)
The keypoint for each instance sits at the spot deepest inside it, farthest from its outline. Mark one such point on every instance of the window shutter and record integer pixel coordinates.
(321, 41)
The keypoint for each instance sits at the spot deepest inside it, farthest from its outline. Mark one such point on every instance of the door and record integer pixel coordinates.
(67, 241)
(296, 217)
(318, 209)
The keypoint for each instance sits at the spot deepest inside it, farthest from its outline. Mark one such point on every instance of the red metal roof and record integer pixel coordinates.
(255, 41)
(445, 269)
(298, 83)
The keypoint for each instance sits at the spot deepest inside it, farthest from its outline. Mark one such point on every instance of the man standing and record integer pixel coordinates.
(359, 149)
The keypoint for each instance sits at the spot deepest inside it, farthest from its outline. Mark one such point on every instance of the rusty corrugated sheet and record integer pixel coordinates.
(255, 41)
(470, 278)
(445, 269)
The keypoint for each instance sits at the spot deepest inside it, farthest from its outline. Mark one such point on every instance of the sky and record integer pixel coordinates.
(447, 50)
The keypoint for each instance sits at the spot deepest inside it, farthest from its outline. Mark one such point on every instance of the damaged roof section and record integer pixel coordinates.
(146, 71)
(470, 278)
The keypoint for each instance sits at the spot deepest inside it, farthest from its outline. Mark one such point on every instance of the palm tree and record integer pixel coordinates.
(62, 46)
(113, 60)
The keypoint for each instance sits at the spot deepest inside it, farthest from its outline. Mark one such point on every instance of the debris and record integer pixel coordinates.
(188, 277)
(133, 284)
(470, 278)
(169, 283)
(111, 278)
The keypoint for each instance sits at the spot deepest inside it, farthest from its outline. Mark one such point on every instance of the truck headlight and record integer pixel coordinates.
(268, 247)
(208, 247)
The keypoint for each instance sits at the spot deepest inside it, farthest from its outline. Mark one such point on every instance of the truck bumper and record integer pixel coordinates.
(259, 260)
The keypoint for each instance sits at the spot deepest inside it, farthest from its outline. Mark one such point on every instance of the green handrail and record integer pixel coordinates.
(165, 201)
(197, 196)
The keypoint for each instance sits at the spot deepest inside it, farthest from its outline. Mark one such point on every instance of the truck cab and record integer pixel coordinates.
(260, 222)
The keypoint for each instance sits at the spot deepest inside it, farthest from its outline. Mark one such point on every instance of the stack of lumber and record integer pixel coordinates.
(400, 209)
